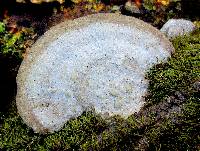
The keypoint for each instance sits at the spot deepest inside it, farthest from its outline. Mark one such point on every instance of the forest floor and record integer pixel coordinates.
(169, 120)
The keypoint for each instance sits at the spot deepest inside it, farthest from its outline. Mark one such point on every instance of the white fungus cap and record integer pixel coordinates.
(98, 61)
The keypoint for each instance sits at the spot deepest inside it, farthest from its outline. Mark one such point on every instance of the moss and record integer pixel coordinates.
(16, 135)
(139, 131)
(179, 73)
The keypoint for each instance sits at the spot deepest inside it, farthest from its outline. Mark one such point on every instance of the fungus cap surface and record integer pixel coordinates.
(98, 61)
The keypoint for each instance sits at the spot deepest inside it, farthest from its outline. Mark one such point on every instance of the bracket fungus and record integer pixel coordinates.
(98, 61)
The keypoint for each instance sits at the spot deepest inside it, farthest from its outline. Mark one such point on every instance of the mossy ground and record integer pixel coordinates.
(156, 127)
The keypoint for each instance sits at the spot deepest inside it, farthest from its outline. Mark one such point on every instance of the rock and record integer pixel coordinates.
(177, 27)
(131, 7)
(94, 62)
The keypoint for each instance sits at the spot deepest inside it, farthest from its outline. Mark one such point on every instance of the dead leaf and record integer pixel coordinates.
(163, 2)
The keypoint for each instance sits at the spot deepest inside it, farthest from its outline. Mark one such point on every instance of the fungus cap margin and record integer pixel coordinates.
(51, 35)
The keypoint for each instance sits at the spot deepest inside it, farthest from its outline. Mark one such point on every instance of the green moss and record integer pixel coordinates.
(2, 27)
(91, 132)
(16, 135)
(179, 73)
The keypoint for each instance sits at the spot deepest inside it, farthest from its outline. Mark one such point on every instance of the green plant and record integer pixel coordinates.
(137, 132)
(11, 44)
(2, 27)
(179, 73)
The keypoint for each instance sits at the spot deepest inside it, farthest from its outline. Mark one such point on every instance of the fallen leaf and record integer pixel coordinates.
(98, 7)
(138, 3)
(163, 2)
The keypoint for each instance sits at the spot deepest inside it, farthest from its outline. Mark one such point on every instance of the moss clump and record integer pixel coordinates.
(15, 135)
(142, 131)
(179, 73)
